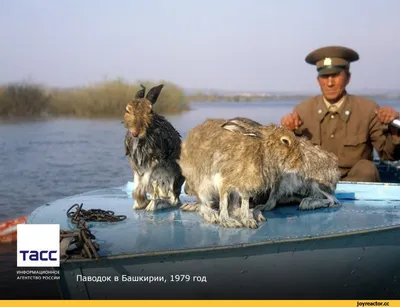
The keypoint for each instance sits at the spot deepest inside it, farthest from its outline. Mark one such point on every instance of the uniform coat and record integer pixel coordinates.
(351, 134)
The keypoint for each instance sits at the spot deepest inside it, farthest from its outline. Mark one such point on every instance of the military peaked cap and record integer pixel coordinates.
(332, 59)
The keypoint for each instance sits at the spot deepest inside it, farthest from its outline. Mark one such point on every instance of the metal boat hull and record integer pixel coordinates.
(362, 265)
(348, 252)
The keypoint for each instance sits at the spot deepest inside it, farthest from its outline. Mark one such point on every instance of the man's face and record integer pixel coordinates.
(334, 85)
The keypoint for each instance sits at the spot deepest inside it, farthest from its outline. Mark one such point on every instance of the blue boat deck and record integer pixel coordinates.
(365, 207)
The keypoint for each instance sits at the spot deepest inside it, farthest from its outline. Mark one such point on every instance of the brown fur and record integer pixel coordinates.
(313, 186)
(138, 116)
(217, 161)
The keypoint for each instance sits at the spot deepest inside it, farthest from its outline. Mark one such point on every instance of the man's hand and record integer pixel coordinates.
(386, 115)
(291, 121)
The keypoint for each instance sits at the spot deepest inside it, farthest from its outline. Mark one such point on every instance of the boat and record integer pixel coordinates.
(348, 252)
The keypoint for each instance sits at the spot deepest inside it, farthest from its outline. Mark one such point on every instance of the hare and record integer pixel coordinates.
(251, 127)
(222, 160)
(315, 183)
(153, 147)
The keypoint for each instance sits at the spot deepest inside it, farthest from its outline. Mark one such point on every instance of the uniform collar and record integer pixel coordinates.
(344, 111)
(337, 105)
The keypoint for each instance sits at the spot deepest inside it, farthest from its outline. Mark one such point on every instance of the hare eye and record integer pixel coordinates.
(285, 140)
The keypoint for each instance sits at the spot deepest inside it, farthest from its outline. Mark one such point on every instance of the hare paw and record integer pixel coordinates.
(334, 202)
(162, 204)
(230, 222)
(151, 206)
(258, 216)
(158, 204)
(139, 205)
(267, 207)
(309, 203)
(249, 223)
(174, 200)
(208, 214)
(190, 207)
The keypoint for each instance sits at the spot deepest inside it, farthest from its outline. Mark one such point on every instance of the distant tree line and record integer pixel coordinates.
(108, 99)
(103, 99)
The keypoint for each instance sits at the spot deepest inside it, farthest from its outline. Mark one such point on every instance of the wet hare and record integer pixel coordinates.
(315, 183)
(153, 146)
(222, 159)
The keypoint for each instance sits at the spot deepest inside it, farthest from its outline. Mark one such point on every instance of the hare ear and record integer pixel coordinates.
(236, 127)
(286, 140)
(140, 93)
(244, 120)
(153, 94)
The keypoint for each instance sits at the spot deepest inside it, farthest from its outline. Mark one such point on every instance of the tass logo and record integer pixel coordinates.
(39, 255)
(38, 245)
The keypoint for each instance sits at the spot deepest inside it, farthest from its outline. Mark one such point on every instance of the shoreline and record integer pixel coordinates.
(107, 100)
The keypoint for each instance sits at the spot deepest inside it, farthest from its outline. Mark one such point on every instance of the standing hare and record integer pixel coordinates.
(153, 147)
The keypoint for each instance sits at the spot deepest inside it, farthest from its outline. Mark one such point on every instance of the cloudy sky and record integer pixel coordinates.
(255, 45)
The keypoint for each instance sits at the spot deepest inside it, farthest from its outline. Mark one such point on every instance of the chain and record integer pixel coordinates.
(82, 237)
(93, 215)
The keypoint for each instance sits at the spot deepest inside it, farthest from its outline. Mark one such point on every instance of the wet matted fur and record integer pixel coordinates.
(153, 147)
(252, 163)
(220, 163)
(313, 186)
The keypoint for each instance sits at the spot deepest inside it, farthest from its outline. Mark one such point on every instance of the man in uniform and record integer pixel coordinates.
(346, 125)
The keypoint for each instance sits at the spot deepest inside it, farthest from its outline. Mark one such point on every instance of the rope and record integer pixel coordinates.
(82, 237)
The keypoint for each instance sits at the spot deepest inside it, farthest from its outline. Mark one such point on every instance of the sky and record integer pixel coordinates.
(236, 45)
